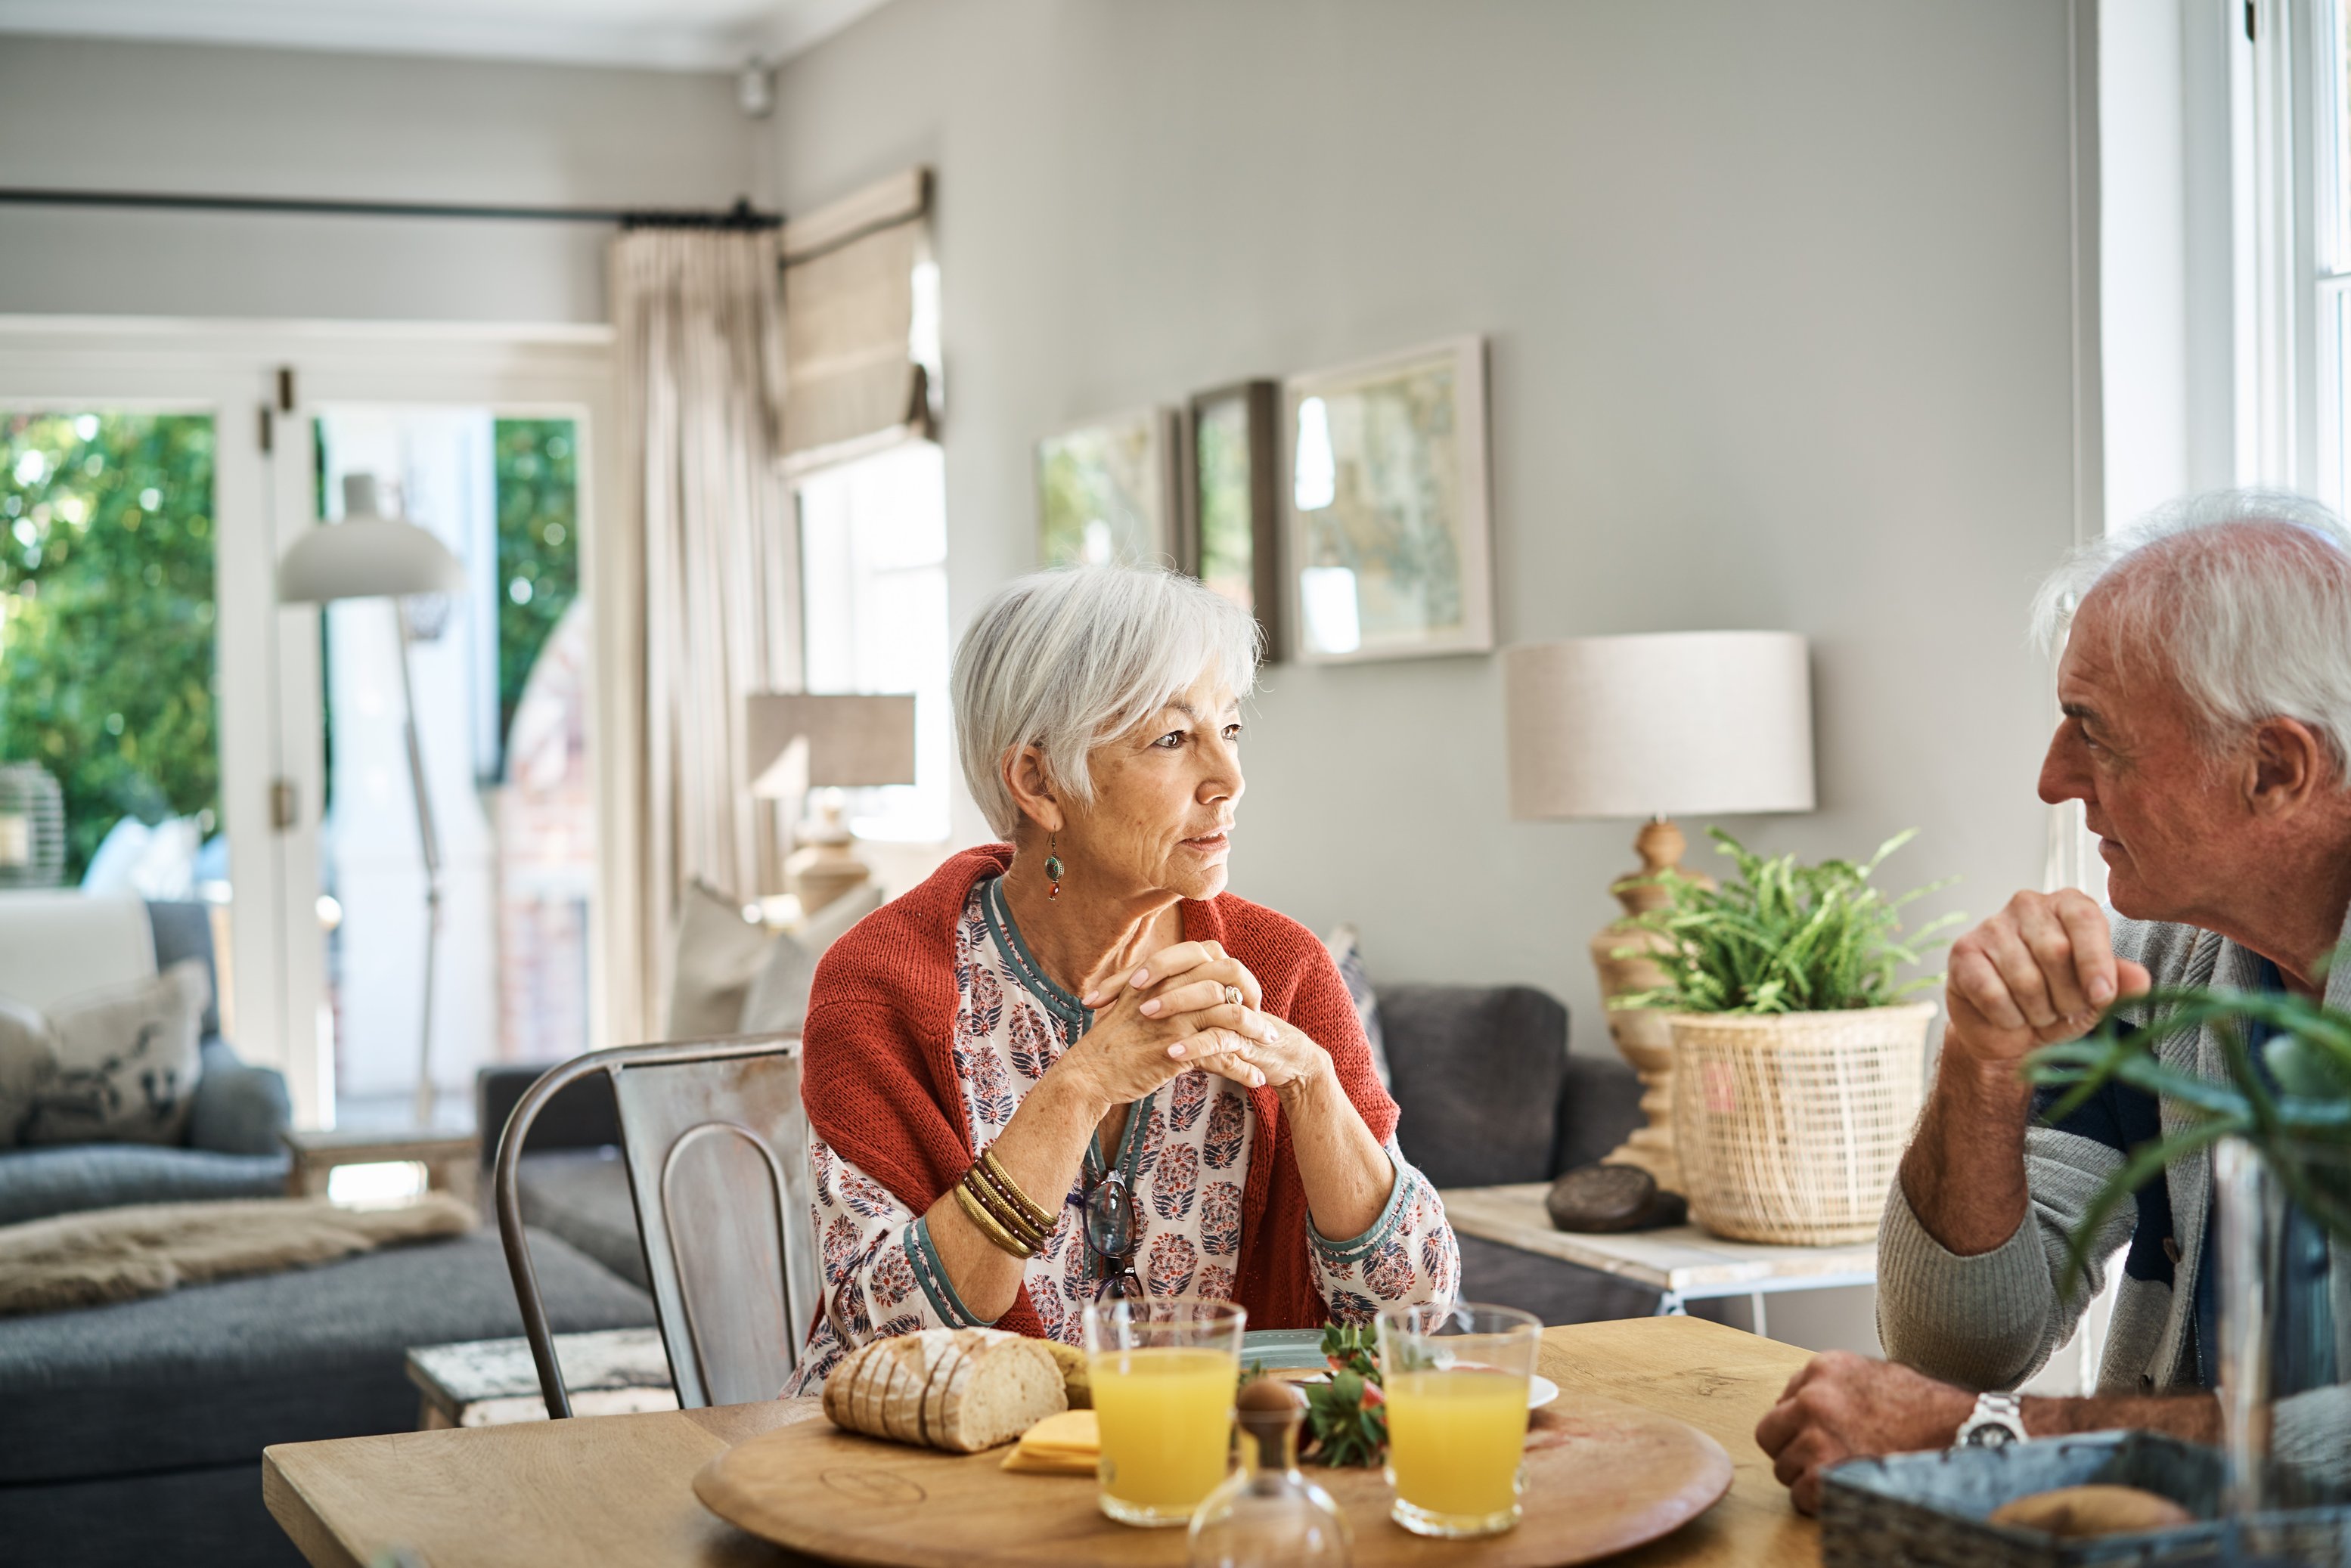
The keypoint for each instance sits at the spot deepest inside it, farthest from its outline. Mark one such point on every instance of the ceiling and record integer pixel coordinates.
(677, 35)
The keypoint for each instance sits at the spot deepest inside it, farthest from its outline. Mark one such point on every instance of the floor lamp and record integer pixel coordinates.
(371, 556)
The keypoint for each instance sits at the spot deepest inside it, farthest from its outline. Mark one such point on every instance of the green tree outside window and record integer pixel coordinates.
(106, 631)
(538, 545)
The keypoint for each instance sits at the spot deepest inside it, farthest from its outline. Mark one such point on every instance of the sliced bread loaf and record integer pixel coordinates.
(959, 1389)
(996, 1393)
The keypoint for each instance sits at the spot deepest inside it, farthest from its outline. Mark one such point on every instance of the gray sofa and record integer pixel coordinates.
(1487, 1089)
(133, 1433)
(233, 1148)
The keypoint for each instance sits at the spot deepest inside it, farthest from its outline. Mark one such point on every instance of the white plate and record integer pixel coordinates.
(1540, 1390)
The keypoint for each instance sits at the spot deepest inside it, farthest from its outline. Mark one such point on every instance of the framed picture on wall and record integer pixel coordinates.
(1106, 491)
(1232, 499)
(1390, 546)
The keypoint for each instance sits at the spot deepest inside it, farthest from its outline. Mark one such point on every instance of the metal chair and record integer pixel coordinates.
(715, 1147)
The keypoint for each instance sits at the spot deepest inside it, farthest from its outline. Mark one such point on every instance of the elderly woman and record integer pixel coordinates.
(1072, 1066)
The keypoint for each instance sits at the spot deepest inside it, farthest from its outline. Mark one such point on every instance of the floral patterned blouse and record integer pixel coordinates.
(1186, 1152)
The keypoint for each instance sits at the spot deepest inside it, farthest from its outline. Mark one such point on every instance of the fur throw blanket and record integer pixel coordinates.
(116, 1254)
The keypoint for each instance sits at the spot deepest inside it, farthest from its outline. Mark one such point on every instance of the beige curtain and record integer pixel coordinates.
(707, 519)
(859, 338)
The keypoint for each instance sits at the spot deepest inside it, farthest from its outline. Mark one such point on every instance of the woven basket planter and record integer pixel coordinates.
(1789, 1125)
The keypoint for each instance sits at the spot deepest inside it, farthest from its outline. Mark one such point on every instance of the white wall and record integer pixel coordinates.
(203, 118)
(1778, 301)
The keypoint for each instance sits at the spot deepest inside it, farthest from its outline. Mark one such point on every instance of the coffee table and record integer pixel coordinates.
(619, 1488)
(1682, 1261)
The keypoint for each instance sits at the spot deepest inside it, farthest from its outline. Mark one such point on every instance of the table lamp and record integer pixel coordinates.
(371, 556)
(1653, 727)
(801, 742)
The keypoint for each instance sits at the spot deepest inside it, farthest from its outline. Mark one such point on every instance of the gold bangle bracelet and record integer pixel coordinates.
(986, 1224)
(1039, 1215)
(1005, 1213)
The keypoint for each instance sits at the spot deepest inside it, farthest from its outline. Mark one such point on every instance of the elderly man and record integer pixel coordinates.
(2206, 694)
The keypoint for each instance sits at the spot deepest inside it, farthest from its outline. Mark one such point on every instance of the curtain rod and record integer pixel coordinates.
(741, 215)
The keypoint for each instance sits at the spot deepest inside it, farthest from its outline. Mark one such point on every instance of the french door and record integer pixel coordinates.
(282, 398)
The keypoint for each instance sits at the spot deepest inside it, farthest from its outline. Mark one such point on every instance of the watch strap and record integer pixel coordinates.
(1997, 1421)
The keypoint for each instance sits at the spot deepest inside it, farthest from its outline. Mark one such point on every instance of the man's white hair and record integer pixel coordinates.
(2241, 597)
(1065, 660)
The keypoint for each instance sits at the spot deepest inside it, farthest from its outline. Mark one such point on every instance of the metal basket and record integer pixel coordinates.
(1929, 1510)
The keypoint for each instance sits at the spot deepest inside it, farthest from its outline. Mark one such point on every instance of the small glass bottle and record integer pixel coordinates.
(1267, 1512)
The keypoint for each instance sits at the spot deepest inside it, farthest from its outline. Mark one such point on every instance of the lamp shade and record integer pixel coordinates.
(366, 556)
(801, 741)
(1660, 724)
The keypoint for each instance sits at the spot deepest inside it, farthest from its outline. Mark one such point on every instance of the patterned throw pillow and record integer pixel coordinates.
(1348, 955)
(28, 1060)
(126, 1060)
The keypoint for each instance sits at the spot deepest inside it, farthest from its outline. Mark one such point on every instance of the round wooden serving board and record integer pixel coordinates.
(1601, 1476)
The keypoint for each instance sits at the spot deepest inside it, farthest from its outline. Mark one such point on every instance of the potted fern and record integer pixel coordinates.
(1798, 1066)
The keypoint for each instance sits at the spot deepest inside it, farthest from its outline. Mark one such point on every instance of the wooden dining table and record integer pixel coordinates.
(619, 1488)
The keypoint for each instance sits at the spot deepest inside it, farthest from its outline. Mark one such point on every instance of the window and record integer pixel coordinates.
(874, 590)
(501, 677)
(2330, 164)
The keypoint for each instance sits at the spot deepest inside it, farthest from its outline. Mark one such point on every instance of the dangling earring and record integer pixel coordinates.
(1053, 867)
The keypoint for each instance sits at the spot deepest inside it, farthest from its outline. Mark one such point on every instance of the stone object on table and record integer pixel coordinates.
(1604, 1198)
(492, 1382)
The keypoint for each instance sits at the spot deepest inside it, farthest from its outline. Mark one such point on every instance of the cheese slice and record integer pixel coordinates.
(1078, 1431)
(1069, 1443)
(1022, 1463)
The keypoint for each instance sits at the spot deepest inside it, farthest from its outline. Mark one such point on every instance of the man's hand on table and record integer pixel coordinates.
(1842, 1404)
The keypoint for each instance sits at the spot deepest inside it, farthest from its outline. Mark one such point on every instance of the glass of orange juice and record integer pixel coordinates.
(1456, 1380)
(1164, 1369)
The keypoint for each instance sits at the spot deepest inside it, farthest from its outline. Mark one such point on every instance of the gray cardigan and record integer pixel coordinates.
(1992, 1320)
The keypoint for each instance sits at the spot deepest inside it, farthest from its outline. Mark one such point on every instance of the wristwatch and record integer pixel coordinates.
(1997, 1421)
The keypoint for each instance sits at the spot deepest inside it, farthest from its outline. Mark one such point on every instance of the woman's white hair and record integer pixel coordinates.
(2240, 597)
(1065, 660)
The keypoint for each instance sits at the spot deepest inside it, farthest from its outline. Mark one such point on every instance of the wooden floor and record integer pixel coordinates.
(618, 1488)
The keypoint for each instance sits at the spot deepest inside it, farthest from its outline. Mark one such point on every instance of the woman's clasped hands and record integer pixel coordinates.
(1178, 1010)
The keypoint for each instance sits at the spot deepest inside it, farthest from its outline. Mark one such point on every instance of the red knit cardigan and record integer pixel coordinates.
(879, 1080)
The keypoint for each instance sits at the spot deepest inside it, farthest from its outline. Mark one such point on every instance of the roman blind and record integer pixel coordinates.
(857, 368)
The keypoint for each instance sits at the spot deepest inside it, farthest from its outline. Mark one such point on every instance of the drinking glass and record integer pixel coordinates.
(1456, 1379)
(1164, 1372)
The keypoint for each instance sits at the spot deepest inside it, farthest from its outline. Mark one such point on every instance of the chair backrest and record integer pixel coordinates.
(715, 1145)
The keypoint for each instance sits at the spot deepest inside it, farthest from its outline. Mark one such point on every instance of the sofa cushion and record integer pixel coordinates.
(1477, 1077)
(1553, 1289)
(1347, 951)
(213, 1374)
(38, 1183)
(776, 1002)
(718, 953)
(127, 1059)
(239, 1108)
(59, 942)
(213, 1515)
(582, 1196)
(184, 931)
(28, 1060)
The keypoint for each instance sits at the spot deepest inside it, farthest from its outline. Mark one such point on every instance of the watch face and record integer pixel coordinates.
(1990, 1436)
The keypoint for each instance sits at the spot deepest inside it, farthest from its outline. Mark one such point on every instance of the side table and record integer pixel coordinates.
(451, 1160)
(1682, 1262)
(493, 1382)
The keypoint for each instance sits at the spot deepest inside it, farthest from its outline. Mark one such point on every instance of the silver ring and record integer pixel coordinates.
(1234, 997)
